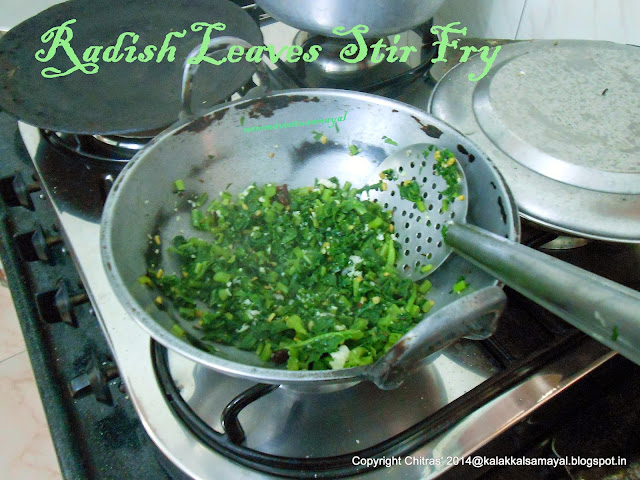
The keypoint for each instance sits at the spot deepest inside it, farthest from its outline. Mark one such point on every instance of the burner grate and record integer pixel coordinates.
(231, 442)
(97, 147)
(329, 71)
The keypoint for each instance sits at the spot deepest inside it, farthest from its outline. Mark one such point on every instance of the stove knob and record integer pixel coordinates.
(57, 305)
(35, 245)
(15, 192)
(95, 381)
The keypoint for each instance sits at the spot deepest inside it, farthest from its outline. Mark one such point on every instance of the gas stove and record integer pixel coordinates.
(491, 396)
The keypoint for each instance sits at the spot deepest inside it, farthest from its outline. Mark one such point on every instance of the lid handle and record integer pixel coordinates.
(215, 45)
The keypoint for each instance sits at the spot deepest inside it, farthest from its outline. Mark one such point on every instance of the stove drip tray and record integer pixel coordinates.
(296, 423)
(277, 429)
(283, 431)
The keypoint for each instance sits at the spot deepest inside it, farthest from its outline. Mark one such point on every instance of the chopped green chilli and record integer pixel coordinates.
(460, 286)
(177, 331)
(305, 276)
(178, 186)
(426, 268)
(353, 150)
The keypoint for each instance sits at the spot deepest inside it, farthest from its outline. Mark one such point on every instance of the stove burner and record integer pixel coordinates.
(116, 148)
(232, 441)
(98, 147)
(549, 240)
(129, 143)
(329, 71)
(565, 243)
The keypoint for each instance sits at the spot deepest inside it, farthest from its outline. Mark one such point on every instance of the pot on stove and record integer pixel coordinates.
(323, 16)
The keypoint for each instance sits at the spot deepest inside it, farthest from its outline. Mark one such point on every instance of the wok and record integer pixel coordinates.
(322, 16)
(219, 148)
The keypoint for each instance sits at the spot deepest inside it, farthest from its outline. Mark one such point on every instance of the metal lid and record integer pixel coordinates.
(560, 121)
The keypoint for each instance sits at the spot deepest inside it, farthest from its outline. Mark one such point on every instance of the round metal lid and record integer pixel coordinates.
(122, 97)
(560, 119)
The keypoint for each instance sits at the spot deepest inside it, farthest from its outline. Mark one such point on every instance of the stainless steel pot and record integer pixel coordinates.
(219, 148)
(322, 16)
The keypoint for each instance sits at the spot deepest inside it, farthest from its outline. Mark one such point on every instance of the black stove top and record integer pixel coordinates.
(92, 439)
(71, 358)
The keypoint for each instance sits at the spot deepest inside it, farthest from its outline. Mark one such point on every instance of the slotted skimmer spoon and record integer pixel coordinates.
(607, 311)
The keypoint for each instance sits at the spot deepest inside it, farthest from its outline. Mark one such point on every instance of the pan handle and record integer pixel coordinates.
(475, 315)
(215, 45)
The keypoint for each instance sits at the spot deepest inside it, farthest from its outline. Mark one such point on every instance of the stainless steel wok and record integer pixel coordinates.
(219, 148)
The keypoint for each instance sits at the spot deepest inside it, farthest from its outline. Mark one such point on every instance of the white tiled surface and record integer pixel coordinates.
(26, 450)
(612, 20)
(483, 18)
(13, 12)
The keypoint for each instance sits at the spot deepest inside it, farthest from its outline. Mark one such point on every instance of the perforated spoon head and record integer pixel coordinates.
(420, 226)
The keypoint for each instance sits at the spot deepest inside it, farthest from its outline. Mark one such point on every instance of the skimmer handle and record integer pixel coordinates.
(606, 310)
(475, 315)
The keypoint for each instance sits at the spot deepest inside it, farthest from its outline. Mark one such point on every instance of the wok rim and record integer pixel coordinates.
(236, 369)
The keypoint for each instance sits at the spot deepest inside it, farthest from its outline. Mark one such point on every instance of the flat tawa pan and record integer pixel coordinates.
(120, 98)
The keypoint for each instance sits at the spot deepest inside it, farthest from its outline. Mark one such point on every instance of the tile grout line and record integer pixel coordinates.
(12, 356)
(524, 6)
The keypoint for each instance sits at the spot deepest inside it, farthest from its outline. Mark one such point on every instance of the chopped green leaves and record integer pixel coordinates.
(390, 141)
(446, 167)
(221, 277)
(201, 199)
(305, 276)
(389, 173)
(409, 190)
(366, 188)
